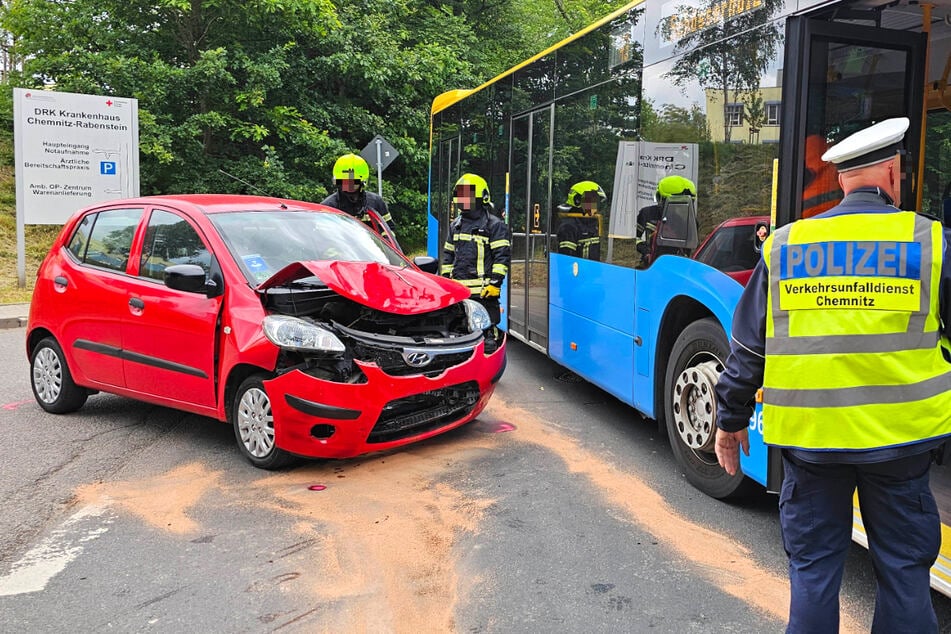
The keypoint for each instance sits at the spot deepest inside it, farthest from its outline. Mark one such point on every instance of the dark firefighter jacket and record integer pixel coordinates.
(579, 234)
(477, 251)
(366, 200)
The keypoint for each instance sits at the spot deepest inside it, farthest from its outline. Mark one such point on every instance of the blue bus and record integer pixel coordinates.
(740, 96)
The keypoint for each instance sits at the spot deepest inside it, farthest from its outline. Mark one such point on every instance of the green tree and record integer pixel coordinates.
(755, 114)
(728, 53)
(255, 96)
(674, 124)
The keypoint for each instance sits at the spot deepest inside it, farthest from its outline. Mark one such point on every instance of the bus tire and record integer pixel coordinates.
(696, 360)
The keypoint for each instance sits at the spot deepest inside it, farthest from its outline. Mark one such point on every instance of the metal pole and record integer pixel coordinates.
(21, 245)
(379, 167)
(18, 152)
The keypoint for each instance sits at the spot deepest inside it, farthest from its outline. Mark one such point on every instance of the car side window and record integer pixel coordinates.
(80, 240)
(110, 240)
(169, 240)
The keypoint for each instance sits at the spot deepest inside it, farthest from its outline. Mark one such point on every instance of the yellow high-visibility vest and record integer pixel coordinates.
(853, 348)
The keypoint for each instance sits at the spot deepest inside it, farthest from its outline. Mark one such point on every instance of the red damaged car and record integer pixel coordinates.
(302, 328)
(734, 246)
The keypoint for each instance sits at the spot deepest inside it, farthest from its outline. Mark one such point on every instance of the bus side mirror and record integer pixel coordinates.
(678, 226)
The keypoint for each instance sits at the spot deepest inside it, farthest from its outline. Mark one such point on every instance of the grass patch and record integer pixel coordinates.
(37, 238)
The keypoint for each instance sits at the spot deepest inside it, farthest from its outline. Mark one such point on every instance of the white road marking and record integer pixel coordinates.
(51, 556)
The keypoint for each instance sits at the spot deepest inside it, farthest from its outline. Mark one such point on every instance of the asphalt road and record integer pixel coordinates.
(559, 510)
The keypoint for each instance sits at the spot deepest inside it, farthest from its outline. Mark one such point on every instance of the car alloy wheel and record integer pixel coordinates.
(47, 375)
(255, 422)
(52, 381)
(254, 425)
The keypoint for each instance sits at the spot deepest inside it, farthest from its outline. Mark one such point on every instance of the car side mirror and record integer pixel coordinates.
(427, 264)
(186, 277)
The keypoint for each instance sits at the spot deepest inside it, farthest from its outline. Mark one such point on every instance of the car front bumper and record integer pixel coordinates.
(324, 419)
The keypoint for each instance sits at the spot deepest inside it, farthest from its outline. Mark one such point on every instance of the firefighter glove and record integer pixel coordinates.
(491, 291)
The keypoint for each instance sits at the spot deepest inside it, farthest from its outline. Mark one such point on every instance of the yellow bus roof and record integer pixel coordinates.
(451, 97)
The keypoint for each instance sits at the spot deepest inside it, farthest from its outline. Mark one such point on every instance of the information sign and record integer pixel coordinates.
(72, 150)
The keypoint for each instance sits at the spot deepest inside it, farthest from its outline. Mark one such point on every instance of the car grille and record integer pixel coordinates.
(424, 412)
(391, 360)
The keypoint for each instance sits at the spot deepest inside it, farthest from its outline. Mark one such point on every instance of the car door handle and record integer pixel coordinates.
(60, 280)
(137, 303)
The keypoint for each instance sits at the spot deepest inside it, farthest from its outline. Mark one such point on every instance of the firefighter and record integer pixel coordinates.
(579, 227)
(478, 248)
(648, 218)
(351, 174)
(847, 346)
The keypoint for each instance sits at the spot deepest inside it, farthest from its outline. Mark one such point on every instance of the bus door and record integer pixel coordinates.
(841, 77)
(449, 152)
(529, 221)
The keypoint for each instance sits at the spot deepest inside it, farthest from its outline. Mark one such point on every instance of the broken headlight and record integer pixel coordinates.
(296, 334)
(477, 314)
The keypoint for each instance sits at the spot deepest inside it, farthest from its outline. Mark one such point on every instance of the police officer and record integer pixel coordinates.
(478, 248)
(842, 323)
(351, 174)
(579, 227)
(648, 218)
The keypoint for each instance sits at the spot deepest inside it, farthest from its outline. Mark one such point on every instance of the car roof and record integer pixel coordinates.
(218, 203)
(744, 220)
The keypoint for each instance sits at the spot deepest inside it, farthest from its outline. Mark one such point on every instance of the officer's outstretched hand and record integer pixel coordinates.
(728, 448)
(491, 291)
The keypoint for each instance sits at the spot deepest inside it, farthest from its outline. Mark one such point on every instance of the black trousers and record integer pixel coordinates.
(491, 305)
(901, 521)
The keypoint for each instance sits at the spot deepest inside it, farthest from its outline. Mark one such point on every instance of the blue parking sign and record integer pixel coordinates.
(107, 167)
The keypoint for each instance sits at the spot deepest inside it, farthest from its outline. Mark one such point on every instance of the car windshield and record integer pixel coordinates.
(264, 242)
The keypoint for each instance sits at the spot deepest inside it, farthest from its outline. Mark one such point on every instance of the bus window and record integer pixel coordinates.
(725, 100)
(936, 200)
(533, 85)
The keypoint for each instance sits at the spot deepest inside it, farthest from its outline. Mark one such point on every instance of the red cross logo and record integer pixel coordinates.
(109, 102)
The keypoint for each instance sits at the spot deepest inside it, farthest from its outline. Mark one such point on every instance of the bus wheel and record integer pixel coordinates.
(690, 407)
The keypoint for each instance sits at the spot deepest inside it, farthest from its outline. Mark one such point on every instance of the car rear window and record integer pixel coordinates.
(110, 239)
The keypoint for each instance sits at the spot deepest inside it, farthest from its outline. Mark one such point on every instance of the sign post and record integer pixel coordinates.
(71, 150)
(378, 141)
(379, 154)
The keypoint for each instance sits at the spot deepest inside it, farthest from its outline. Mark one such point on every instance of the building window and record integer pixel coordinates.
(734, 114)
(772, 113)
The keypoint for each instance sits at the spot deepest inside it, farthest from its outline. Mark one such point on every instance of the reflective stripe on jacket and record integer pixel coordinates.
(853, 351)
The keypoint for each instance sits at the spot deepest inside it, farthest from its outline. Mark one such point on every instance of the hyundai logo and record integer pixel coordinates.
(417, 359)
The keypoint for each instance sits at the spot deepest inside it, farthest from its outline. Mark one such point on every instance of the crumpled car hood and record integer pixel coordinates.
(392, 289)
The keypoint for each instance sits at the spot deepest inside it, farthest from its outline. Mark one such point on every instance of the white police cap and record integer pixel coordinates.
(872, 145)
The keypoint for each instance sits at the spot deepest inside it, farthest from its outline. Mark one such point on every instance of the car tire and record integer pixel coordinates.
(696, 361)
(254, 425)
(51, 380)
